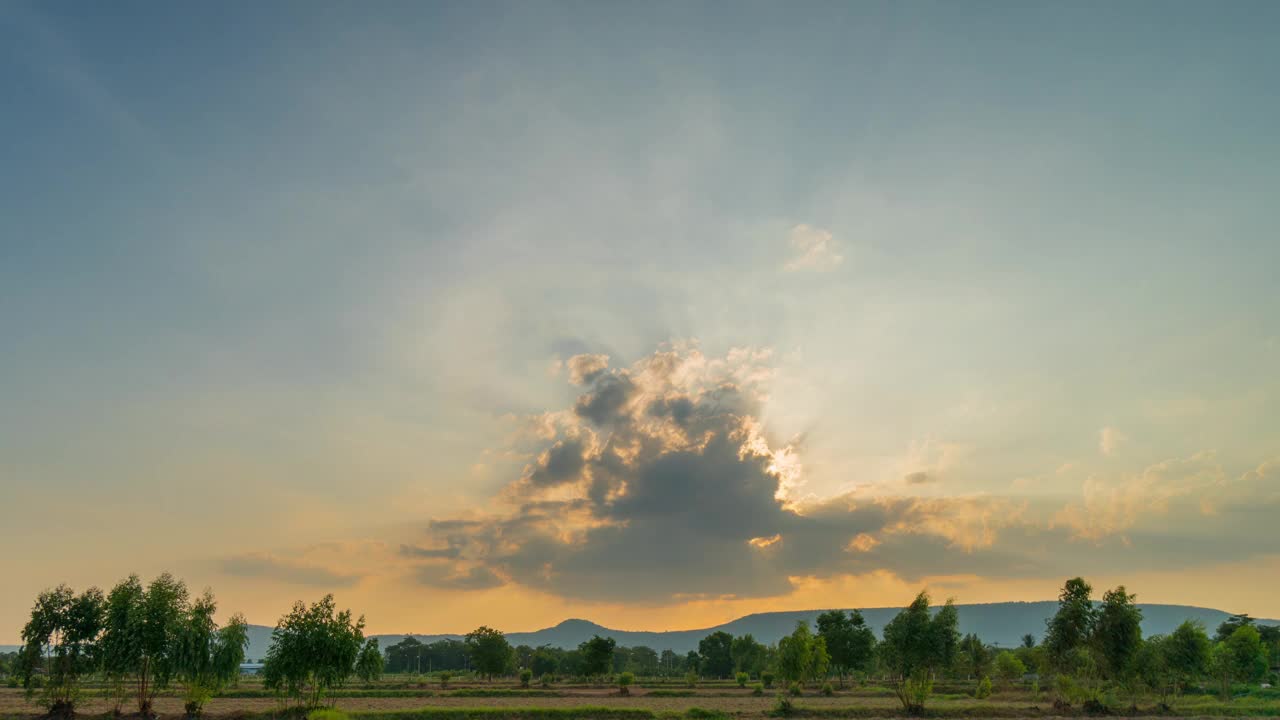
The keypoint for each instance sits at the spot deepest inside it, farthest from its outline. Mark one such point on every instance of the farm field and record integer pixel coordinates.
(393, 698)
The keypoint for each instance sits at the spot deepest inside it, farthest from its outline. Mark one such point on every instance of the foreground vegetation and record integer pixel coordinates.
(156, 650)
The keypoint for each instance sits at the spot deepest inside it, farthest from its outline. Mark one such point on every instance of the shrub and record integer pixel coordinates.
(445, 677)
(983, 691)
(757, 689)
(691, 679)
(547, 679)
(827, 689)
(525, 676)
(742, 679)
(796, 689)
(913, 693)
(766, 677)
(624, 683)
(783, 706)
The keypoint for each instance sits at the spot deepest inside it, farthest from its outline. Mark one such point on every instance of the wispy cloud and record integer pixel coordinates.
(271, 567)
(1110, 440)
(813, 248)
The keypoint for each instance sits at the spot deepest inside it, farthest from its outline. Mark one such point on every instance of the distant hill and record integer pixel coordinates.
(1001, 624)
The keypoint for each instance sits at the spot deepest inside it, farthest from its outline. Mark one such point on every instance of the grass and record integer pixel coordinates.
(513, 713)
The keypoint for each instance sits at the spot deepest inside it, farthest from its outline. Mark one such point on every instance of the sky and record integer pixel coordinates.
(656, 314)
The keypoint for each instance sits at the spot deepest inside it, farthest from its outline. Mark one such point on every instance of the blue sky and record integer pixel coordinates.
(287, 278)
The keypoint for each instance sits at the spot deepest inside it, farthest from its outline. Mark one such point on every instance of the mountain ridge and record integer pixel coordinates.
(1002, 624)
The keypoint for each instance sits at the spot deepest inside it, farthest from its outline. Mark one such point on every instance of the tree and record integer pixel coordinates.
(545, 661)
(643, 661)
(916, 646)
(1239, 658)
(621, 658)
(489, 651)
(405, 656)
(669, 663)
(369, 663)
(716, 651)
(1071, 627)
(597, 656)
(1150, 666)
(747, 654)
(1028, 641)
(1186, 654)
(1117, 632)
(975, 657)
(849, 641)
(156, 627)
(819, 660)
(63, 635)
(313, 650)
(795, 655)
(1009, 668)
(1230, 625)
(121, 644)
(207, 658)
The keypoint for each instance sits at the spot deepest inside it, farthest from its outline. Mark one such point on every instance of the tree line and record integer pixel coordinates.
(137, 639)
(141, 640)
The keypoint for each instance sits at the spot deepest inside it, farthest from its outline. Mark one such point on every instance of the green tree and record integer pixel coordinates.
(849, 641)
(597, 656)
(747, 654)
(975, 657)
(917, 645)
(370, 663)
(643, 661)
(1239, 658)
(207, 658)
(795, 655)
(819, 660)
(1117, 632)
(1230, 625)
(159, 624)
(313, 650)
(489, 651)
(1028, 641)
(63, 637)
(545, 661)
(716, 651)
(1186, 654)
(1150, 666)
(121, 641)
(1009, 668)
(1072, 625)
(669, 663)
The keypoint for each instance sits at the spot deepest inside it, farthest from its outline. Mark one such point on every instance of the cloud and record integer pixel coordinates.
(814, 249)
(1111, 507)
(473, 578)
(1110, 440)
(266, 565)
(413, 551)
(586, 368)
(918, 478)
(662, 482)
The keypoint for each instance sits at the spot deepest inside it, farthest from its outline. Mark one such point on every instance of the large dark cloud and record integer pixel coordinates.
(660, 483)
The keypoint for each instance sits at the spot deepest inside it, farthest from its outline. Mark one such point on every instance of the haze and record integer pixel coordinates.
(651, 314)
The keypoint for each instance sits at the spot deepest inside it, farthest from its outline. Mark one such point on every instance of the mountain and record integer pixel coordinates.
(1001, 624)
